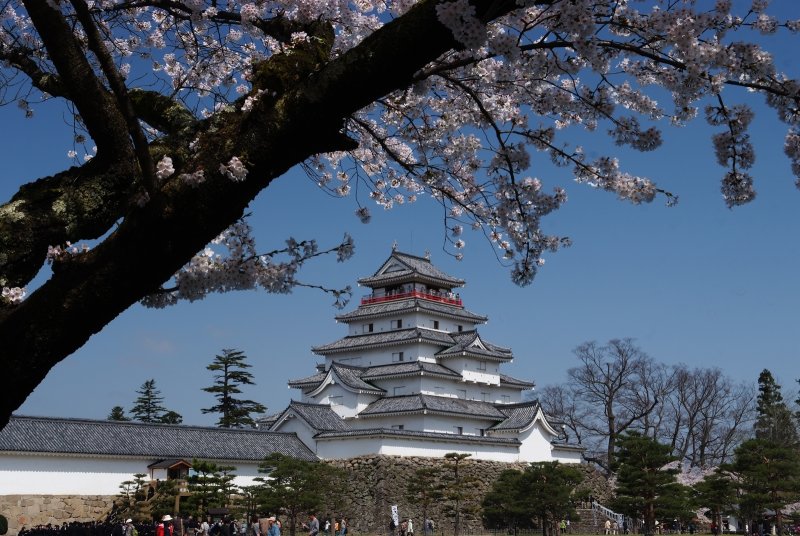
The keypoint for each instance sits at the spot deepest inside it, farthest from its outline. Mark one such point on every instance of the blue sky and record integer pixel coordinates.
(697, 283)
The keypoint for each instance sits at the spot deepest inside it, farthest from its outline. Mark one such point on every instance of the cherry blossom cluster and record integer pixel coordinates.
(13, 295)
(234, 169)
(57, 253)
(474, 123)
(231, 262)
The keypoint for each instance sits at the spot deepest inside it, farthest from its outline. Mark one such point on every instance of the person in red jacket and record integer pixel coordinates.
(165, 527)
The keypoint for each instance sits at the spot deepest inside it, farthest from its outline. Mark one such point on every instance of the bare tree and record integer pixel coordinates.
(705, 411)
(608, 379)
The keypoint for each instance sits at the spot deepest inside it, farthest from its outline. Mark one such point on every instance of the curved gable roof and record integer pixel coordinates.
(319, 417)
(469, 342)
(402, 267)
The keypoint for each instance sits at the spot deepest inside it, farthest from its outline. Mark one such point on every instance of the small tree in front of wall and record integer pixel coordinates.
(458, 490)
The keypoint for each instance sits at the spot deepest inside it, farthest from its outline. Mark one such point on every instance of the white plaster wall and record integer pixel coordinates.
(57, 475)
(352, 447)
(424, 423)
(566, 455)
(409, 422)
(72, 475)
(536, 446)
(345, 403)
(297, 426)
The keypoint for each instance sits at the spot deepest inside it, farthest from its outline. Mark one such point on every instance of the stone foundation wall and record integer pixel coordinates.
(374, 483)
(370, 486)
(31, 510)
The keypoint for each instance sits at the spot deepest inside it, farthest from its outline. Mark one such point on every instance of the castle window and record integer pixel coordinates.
(367, 328)
(505, 399)
(459, 430)
(481, 432)
(462, 393)
(401, 390)
(481, 365)
(397, 324)
(435, 324)
(484, 397)
(398, 426)
(460, 328)
(397, 357)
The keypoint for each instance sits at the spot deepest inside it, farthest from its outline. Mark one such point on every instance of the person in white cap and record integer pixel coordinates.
(129, 530)
(165, 527)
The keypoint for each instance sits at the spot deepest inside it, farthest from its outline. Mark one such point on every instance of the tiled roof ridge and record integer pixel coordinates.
(111, 422)
(417, 257)
(518, 404)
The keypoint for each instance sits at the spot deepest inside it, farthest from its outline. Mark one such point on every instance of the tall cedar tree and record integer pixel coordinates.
(296, 486)
(645, 488)
(769, 477)
(231, 374)
(147, 406)
(774, 421)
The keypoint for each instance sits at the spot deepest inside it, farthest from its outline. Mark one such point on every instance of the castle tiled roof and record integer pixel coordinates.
(412, 368)
(414, 434)
(319, 416)
(419, 403)
(359, 377)
(309, 382)
(390, 308)
(518, 416)
(516, 382)
(469, 342)
(402, 267)
(352, 377)
(384, 338)
(135, 439)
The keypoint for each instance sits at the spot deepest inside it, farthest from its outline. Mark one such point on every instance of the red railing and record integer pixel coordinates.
(369, 300)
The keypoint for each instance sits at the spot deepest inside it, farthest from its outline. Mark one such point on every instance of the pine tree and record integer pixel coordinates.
(645, 488)
(459, 490)
(769, 476)
(717, 493)
(147, 407)
(423, 490)
(774, 421)
(231, 374)
(117, 414)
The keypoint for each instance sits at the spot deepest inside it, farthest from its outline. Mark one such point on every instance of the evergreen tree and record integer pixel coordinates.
(296, 486)
(717, 493)
(171, 417)
(231, 373)
(504, 506)
(645, 488)
(210, 486)
(774, 421)
(769, 476)
(147, 407)
(117, 414)
(548, 488)
(458, 490)
(424, 490)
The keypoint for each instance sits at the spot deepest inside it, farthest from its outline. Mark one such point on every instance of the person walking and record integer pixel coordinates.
(274, 528)
(409, 527)
(313, 525)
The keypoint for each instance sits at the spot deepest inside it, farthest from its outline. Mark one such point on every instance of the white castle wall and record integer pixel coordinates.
(75, 475)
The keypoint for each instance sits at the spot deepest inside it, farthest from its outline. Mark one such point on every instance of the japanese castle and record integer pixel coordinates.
(413, 377)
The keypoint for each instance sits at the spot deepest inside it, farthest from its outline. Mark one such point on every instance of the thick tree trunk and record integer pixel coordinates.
(153, 242)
